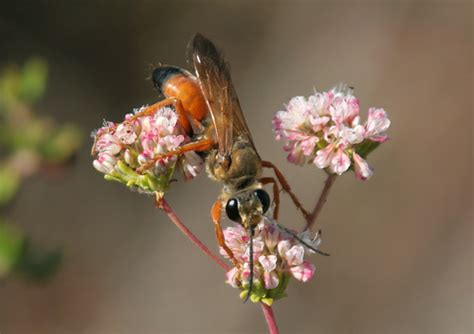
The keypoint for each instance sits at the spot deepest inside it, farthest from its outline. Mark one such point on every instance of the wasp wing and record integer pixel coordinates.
(216, 84)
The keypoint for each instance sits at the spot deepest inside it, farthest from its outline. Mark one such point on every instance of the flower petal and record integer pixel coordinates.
(377, 123)
(340, 162)
(303, 272)
(270, 280)
(268, 262)
(294, 256)
(233, 277)
(324, 156)
(362, 169)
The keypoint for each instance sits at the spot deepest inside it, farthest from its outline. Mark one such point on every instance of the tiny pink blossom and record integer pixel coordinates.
(294, 256)
(108, 143)
(351, 135)
(245, 276)
(268, 262)
(303, 272)
(340, 162)
(362, 168)
(105, 162)
(145, 157)
(126, 133)
(129, 158)
(283, 247)
(270, 280)
(191, 165)
(324, 156)
(296, 155)
(377, 124)
(308, 145)
(232, 277)
(272, 237)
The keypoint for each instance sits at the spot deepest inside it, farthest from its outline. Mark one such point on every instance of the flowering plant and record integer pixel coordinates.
(143, 153)
(277, 256)
(30, 144)
(326, 130)
(125, 150)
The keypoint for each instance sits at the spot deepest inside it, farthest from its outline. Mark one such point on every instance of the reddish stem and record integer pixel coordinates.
(322, 199)
(270, 318)
(162, 204)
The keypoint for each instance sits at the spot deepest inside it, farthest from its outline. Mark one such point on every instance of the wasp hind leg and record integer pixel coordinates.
(169, 101)
(286, 187)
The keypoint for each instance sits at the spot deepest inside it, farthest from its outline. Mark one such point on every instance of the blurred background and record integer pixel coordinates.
(401, 243)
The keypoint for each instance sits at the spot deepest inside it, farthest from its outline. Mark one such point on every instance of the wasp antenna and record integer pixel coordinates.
(294, 235)
(250, 263)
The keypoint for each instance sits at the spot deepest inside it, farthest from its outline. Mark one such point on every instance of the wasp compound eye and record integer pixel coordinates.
(232, 210)
(263, 197)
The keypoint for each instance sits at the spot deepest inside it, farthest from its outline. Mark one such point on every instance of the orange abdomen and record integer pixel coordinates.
(187, 90)
(174, 82)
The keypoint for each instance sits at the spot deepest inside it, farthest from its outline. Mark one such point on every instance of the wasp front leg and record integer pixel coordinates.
(276, 194)
(216, 219)
(198, 146)
(286, 187)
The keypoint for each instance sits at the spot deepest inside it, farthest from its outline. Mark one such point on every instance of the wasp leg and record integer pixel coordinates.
(199, 145)
(276, 194)
(170, 101)
(284, 184)
(216, 219)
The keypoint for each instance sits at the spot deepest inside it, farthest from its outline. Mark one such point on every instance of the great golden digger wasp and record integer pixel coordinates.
(209, 111)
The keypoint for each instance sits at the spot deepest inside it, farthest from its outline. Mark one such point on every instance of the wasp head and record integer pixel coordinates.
(247, 207)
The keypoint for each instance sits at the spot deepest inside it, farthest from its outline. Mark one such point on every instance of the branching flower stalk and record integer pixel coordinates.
(323, 130)
(161, 203)
(323, 197)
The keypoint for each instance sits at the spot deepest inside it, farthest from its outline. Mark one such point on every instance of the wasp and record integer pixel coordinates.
(210, 113)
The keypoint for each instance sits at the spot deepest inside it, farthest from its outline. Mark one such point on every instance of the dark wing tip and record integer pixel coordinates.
(201, 45)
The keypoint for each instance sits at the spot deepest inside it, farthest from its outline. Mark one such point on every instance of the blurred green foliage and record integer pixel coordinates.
(28, 143)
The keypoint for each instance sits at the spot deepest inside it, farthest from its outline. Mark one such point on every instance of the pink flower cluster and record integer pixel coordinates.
(277, 256)
(326, 129)
(138, 143)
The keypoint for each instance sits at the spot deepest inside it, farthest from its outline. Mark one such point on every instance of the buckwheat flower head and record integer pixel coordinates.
(133, 152)
(325, 130)
(277, 256)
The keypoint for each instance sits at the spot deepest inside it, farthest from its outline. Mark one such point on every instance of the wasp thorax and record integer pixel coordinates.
(237, 170)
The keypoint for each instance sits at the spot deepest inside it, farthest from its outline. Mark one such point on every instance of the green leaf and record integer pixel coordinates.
(36, 265)
(11, 242)
(9, 184)
(62, 144)
(33, 80)
(9, 81)
(363, 149)
(279, 291)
